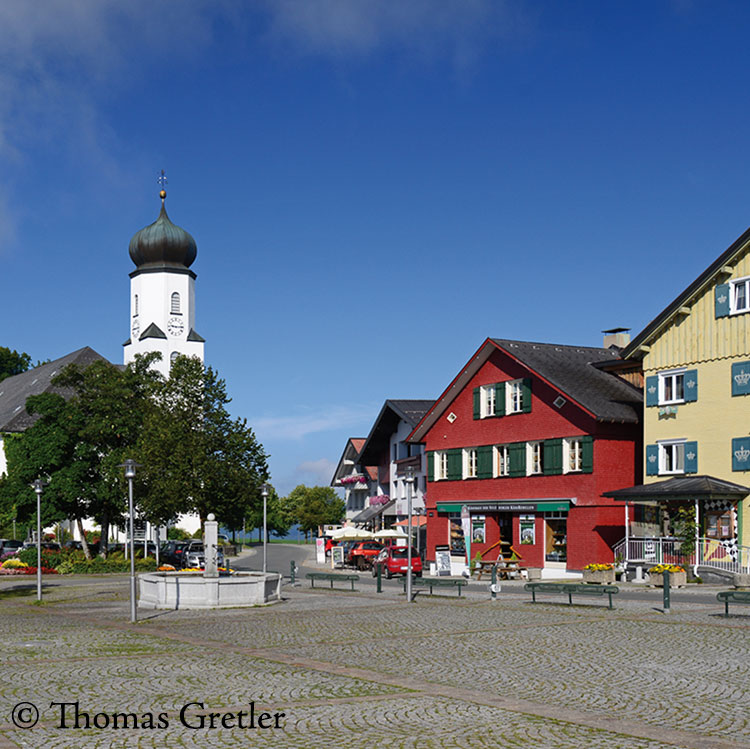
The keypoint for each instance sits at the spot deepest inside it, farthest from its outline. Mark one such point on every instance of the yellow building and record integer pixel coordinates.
(695, 359)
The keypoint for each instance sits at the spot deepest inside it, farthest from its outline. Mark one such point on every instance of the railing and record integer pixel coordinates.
(720, 554)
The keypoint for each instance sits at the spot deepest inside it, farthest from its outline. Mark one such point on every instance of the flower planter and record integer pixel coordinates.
(599, 577)
(676, 579)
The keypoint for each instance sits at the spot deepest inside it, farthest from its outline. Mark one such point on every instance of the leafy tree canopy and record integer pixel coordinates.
(314, 506)
(12, 363)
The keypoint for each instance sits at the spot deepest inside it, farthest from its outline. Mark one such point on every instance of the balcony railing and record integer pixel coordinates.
(721, 554)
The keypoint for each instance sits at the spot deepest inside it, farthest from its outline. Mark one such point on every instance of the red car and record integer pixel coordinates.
(362, 554)
(394, 561)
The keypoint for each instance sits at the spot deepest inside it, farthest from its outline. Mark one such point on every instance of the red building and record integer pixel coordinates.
(527, 437)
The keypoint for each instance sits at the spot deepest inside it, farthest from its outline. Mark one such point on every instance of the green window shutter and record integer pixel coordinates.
(430, 466)
(517, 459)
(455, 467)
(477, 410)
(741, 378)
(652, 460)
(587, 454)
(484, 462)
(552, 457)
(721, 300)
(500, 399)
(691, 457)
(691, 385)
(526, 395)
(741, 454)
(652, 391)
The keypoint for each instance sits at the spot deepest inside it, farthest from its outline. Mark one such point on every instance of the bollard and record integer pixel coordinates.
(493, 587)
(293, 570)
(665, 577)
(380, 578)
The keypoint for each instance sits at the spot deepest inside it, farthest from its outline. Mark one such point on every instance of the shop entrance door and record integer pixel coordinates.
(555, 539)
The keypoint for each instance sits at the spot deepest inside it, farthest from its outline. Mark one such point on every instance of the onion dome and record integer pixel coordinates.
(162, 244)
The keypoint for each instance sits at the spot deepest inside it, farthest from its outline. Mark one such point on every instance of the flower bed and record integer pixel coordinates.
(599, 574)
(677, 576)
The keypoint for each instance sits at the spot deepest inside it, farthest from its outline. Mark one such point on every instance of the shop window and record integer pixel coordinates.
(719, 524)
(457, 543)
(555, 536)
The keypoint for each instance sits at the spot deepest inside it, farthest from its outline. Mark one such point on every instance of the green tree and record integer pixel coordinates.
(278, 517)
(12, 363)
(195, 457)
(314, 506)
(79, 445)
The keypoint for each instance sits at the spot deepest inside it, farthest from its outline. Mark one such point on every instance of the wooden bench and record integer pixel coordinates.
(571, 589)
(436, 582)
(733, 596)
(332, 576)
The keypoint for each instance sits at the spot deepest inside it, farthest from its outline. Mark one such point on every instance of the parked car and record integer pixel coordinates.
(362, 555)
(194, 555)
(393, 561)
(172, 552)
(9, 546)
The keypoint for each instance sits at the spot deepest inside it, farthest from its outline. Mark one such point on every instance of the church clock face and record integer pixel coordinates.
(135, 329)
(175, 326)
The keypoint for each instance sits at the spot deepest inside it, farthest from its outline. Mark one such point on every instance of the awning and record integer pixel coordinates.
(681, 488)
(372, 511)
(555, 504)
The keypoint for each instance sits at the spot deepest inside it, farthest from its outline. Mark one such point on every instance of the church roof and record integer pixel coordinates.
(15, 390)
(162, 245)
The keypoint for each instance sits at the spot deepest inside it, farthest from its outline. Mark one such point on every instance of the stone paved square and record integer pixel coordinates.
(362, 669)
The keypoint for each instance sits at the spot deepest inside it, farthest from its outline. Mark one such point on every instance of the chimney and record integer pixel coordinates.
(617, 337)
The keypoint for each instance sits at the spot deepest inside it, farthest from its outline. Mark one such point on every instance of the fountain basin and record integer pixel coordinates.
(191, 590)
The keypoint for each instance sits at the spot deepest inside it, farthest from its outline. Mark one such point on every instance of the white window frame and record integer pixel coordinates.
(671, 376)
(500, 461)
(486, 401)
(470, 462)
(534, 459)
(572, 455)
(441, 466)
(733, 287)
(674, 451)
(514, 397)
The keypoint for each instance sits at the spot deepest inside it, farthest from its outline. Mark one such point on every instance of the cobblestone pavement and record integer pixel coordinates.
(362, 669)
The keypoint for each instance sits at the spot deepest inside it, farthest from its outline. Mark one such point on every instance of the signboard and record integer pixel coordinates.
(443, 560)
(528, 529)
(477, 529)
(320, 550)
(553, 505)
(337, 557)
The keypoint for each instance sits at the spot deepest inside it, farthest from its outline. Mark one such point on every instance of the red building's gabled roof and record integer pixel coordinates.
(570, 370)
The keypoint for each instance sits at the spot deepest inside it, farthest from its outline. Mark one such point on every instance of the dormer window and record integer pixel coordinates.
(175, 305)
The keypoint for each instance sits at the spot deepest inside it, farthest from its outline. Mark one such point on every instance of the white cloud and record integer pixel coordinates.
(61, 59)
(321, 471)
(305, 422)
(426, 27)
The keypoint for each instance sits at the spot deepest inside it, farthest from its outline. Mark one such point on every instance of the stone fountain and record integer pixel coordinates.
(210, 589)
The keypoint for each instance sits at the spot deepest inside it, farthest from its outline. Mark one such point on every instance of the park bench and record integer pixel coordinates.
(436, 582)
(733, 596)
(571, 589)
(332, 576)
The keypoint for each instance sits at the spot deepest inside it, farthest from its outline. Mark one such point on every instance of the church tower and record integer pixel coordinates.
(162, 293)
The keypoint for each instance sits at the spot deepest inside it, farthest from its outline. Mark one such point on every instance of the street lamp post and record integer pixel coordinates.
(264, 493)
(409, 480)
(38, 487)
(130, 465)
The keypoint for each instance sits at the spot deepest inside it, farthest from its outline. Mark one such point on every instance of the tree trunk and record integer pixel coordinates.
(84, 542)
(104, 538)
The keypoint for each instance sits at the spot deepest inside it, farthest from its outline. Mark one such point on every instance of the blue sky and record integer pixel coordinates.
(374, 187)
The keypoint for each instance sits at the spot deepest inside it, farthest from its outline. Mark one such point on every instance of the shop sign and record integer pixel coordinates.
(443, 560)
(337, 556)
